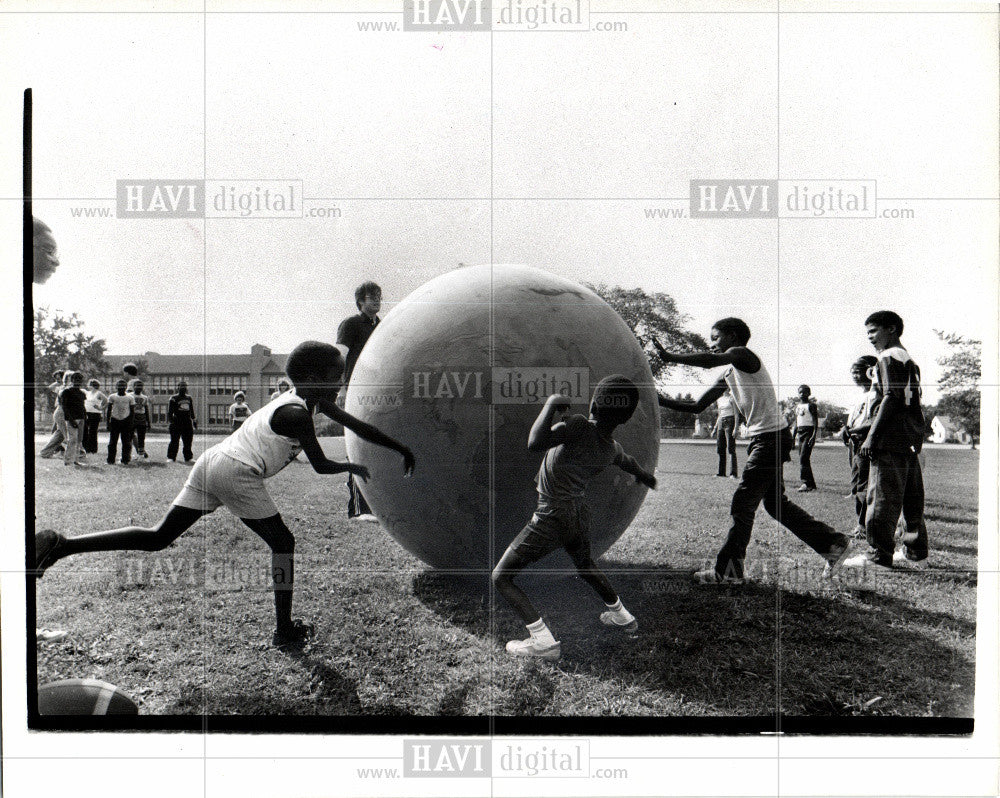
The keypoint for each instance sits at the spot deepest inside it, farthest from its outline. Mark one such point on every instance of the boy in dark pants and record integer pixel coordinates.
(892, 446)
(576, 450)
(141, 422)
(725, 435)
(854, 434)
(770, 447)
(180, 416)
(73, 402)
(806, 427)
(120, 413)
(232, 473)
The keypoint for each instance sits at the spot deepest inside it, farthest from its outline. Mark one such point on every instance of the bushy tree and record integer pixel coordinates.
(61, 343)
(959, 382)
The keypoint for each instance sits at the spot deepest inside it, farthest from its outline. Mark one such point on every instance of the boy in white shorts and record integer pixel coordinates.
(232, 474)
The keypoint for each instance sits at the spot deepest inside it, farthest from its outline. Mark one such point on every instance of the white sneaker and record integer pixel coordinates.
(836, 557)
(531, 648)
(50, 635)
(611, 619)
(900, 560)
(862, 561)
(710, 577)
(371, 519)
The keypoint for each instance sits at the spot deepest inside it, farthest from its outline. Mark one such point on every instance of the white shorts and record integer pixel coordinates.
(217, 479)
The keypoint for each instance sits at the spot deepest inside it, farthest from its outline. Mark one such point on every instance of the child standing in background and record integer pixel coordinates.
(239, 411)
(94, 405)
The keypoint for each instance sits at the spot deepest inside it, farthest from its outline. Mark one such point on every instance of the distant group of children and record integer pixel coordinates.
(885, 435)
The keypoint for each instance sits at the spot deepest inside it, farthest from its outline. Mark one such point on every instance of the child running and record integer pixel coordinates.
(576, 450)
(770, 446)
(232, 473)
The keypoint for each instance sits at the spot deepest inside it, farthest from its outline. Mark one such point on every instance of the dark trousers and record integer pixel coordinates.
(356, 504)
(859, 482)
(90, 433)
(119, 429)
(895, 485)
(180, 432)
(140, 437)
(762, 481)
(725, 442)
(806, 440)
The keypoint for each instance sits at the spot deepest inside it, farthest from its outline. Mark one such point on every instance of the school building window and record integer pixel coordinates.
(158, 414)
(217, 414)
(227, 384)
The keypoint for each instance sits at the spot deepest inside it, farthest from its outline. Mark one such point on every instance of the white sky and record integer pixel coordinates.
(594, 120)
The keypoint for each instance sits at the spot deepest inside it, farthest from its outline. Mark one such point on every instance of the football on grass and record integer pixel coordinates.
(84, 697)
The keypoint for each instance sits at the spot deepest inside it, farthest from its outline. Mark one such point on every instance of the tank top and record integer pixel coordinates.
(257, 445)
(803, 418)
(725, 403)
(755, 397)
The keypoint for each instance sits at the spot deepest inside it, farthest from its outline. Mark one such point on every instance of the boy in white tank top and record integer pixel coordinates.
(770, 445)
(232, 473)
(806, 427)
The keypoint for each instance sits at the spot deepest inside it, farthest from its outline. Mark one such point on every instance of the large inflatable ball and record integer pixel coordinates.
(458, 371)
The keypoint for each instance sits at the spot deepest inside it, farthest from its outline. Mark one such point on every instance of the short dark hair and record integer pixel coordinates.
(735, 327)
(615, 399)
(121, 382)
(180, 383)
(131, 369)
(94, 383)
(886, 318)
(808, 390)
(366, 289)
(76, 375)
(312, 359)
(58, 374)
(864, 363)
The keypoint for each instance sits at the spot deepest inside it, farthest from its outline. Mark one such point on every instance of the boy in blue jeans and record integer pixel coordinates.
(769, 448)
(892, 448)
(577, 449)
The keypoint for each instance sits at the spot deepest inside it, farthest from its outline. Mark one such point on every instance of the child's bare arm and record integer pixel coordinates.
(628, 464)
(368, 432)
(738, 356)
(295, 422)
(698, 405)
(543, 434)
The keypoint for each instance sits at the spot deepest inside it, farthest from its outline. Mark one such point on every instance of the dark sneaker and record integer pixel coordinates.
(294, 636)
(47, 545)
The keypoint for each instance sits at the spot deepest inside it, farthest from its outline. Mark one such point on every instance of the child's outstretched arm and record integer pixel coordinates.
(368, 432)
(694, 405)
(628, 464)
(294, 421)
(738, 356)
(543, 434)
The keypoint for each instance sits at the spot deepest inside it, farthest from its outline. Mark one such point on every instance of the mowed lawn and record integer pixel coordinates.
(187, 630)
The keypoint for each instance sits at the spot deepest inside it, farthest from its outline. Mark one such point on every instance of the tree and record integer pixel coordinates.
(61, 343)
(650, 315)
(959, 382)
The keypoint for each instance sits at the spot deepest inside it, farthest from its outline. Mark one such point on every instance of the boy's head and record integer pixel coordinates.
(283, 385)
(860, 371)
(615, 400)
(130, 369)
(239, 396)
(75, 378)
(94, 384)
(121, 386)
(58, 375)
(182, 387)
(804, 392)
(137, 386)
(884, 327)
(315, 369)
(368, 298)
(729, 332)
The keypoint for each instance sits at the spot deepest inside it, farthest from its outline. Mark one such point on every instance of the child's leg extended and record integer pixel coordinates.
(280, 540)
(51, 546)
(511, 564)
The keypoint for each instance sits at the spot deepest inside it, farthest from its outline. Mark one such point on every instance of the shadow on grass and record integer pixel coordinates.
(715, 649)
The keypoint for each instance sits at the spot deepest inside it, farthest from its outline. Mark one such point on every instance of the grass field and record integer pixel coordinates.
(187, 630)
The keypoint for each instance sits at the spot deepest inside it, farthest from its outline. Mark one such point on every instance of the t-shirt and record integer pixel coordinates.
(755, 398)
(354, 332)
(726, 409)
(803, 415)
(141, 408)
(96, 401)
(239, 411)
(72, 401)
(897, 375)
(180, 408)
(860, 419)
(260, 447)
(568, 467)
(121, 405)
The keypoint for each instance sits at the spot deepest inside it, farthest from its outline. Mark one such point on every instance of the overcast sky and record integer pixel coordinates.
(587, 131)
